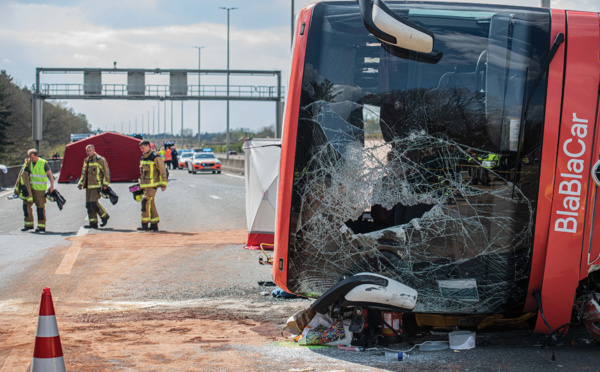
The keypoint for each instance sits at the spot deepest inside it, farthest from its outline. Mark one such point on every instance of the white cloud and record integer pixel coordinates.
(149, 34)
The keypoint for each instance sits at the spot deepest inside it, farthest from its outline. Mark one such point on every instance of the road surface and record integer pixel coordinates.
(187, 298)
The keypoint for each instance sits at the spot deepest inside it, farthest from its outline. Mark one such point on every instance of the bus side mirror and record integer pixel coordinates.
(596, 173)
(392, 29)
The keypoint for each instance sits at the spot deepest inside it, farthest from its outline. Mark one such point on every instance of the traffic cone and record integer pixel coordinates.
(47, 354)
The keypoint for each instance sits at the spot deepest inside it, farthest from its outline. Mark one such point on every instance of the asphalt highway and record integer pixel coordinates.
(191, 202)
(187, 298)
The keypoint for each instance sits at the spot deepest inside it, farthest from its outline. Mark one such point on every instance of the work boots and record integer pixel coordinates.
(153, 227)
(92, 225)
(143, 228)
(104, 220)
(40, 229)
(27, 228)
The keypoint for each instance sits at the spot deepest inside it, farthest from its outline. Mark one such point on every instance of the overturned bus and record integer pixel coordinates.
(440, 158)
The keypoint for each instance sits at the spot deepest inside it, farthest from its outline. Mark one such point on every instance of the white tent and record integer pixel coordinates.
(262, 177)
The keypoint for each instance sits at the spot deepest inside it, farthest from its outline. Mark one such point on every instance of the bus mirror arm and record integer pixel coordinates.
(393, 30)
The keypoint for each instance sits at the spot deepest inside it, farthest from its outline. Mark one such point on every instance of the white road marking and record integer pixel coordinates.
(214, 197)
(66, 265)
(13, 361)
(233, 175)
(7, 192)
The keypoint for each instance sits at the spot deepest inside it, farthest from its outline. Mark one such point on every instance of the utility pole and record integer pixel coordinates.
(165, 118)
(181, 120)
(227, 133)
(171, 118)
(153, 122)
(199, 91)
(292, 25)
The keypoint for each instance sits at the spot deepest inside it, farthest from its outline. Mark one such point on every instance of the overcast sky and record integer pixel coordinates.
(160, 34)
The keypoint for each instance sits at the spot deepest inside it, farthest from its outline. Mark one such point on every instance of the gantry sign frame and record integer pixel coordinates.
(136, 89)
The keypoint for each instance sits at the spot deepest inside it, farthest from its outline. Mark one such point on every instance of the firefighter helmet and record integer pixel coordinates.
(137, 192)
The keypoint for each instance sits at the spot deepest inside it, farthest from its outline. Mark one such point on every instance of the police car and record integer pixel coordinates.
(204, 161)
(183, 158)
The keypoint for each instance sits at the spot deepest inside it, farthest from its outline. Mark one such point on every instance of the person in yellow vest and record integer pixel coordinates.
(94, 176)
(161, 152)
(153, 175)
(32, 185)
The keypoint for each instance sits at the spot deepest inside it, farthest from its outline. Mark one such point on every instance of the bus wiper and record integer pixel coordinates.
(560, 38)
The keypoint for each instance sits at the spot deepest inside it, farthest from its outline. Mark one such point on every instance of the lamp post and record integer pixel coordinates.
(227, 133)
(292, 24)
(199, 91)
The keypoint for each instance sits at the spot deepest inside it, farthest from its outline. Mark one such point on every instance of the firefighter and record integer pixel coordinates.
(153, 175)
(95, 175)
(31, 187)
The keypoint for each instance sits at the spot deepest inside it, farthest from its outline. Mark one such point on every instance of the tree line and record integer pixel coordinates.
(58, 123)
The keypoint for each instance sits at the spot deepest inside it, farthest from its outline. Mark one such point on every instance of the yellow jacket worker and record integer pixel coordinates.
(31, 186)
(153, 175)
(94, 176)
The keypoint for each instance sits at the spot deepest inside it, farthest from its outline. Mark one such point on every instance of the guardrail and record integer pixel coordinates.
(9, 179)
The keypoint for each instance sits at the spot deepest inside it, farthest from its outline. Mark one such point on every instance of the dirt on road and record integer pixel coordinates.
(175, 301)
(150, 302)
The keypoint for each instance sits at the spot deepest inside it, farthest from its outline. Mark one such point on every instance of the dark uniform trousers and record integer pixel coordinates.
(93, 207)
(39, 199)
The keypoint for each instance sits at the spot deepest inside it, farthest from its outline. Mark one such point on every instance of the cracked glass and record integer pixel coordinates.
(420, 170)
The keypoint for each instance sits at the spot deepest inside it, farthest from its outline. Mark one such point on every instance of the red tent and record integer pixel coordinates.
(121, 152)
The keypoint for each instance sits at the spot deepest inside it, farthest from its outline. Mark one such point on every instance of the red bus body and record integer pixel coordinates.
(565, 241)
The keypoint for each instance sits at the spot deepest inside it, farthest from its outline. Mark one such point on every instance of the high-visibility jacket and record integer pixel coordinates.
(23, 187)
(38, 177)
(94, 173)
(153, 172)
(490, 161)
(161, 152)
(168, 156)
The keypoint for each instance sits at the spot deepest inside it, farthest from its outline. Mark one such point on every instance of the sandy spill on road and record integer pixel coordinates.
(150, 302)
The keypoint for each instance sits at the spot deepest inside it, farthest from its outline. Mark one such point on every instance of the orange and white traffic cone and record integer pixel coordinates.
(47, 354)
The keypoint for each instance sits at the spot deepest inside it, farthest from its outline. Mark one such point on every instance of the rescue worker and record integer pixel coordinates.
(31, 187)
(94, 176)
(168, 157)
(153, 175)
(161, 152)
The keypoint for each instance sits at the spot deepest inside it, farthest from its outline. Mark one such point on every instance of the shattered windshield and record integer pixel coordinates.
(420, 170)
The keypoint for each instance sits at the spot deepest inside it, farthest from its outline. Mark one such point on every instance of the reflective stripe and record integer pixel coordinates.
(48, 364)
(38, 178)
(42, 225)
(47, 347)
(28, 223)
(47, 326)
(151, 181)
(154, 220)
